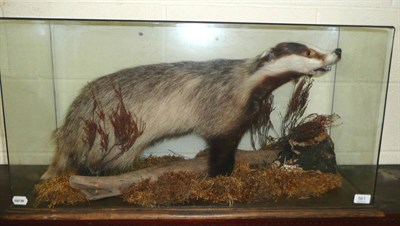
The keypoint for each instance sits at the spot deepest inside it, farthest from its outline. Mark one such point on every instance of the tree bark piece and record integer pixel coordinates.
(102, 187)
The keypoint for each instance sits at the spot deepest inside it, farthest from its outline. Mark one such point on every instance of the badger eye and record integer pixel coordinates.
(308, 53)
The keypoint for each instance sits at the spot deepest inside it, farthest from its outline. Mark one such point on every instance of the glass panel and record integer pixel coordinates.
(28, 94)
(86, 50)
(45, 63)
(360, 96)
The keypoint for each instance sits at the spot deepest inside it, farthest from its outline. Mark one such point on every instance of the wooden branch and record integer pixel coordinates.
(103, 187)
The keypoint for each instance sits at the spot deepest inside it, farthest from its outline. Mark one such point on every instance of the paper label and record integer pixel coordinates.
(20, 200)
(362, 199)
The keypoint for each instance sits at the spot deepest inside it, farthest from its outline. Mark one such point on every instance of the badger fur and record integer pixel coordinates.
(217, 100)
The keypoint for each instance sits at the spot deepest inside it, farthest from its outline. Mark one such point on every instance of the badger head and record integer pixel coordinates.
(295, 57)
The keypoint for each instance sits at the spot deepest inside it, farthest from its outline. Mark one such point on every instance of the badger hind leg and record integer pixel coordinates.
(222, 155)
(50, 172)
(60, 164)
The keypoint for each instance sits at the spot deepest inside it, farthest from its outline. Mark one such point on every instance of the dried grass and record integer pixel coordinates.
(245, 185)
(57, 191)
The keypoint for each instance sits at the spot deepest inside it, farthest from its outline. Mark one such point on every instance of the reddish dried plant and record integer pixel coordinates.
(126, 127)
(297, 105)
(90, 131)
(261, 127)
(126, 130)
(91, 127)
(293, 120)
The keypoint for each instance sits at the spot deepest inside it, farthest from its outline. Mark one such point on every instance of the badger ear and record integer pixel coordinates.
(270, 56)
(264, 54)
(267, 56)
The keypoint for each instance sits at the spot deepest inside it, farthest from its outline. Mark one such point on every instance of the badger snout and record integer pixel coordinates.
(330, 59)
(338, 52)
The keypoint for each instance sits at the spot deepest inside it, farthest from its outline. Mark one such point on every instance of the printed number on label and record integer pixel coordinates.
(362, 199)
(20, 200)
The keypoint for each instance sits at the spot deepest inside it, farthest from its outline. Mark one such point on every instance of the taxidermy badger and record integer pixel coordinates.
(217, 100)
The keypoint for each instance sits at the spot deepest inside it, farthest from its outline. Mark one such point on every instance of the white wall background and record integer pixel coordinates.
(358, 12)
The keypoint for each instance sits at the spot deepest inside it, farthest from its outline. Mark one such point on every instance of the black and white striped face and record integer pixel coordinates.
(295, 57)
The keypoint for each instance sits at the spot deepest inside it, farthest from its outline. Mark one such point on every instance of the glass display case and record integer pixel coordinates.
(45, 65)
